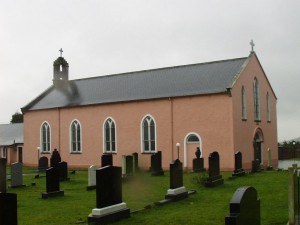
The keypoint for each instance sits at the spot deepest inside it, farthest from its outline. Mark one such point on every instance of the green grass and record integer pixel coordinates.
(208, 207)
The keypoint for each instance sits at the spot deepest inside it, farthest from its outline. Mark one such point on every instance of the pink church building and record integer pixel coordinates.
(225, 106)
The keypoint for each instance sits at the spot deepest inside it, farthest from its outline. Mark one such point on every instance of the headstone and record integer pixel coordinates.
(91, 178)
(43, 164)
(198, 162)
(238, 165)
(3, 185)
(255, 166)
(63, 171)
(110, 206)
(17, 175)
(244, 208)
(129, 165)
(269, 167)
(52, 183)
(8, 209)
(55, 158)
(106, 160)
(135, 162)
(214, 177)
(156, 164)
(177, 191)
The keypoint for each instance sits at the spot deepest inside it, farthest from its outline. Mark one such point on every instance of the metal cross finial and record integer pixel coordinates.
(252, 46)
(61, 51)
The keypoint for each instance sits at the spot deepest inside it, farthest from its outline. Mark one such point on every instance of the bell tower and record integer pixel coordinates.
(60, 70)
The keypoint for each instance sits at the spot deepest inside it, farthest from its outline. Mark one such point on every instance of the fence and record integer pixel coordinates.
(287, 153)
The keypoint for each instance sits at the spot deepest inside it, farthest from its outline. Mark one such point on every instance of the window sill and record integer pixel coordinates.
(110, 153)
(76, 153)
(45, 153)
(244, 119)
(269, 121)
(149, 153)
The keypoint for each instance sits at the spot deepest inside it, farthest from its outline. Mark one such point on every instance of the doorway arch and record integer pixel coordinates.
(191, 141)
(258, 139)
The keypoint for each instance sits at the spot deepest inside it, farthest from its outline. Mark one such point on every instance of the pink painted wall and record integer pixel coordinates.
(244, 131)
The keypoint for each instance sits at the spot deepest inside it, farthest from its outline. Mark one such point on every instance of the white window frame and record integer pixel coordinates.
(48, 138)
(76, 135)
(149, 118)
(256, 100)
(112, 121)
(244, 105)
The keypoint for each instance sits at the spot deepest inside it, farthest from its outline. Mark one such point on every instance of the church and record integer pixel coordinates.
(225, 106)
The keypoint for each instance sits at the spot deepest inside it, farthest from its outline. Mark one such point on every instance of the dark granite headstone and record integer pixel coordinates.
(43, 163)
(156, 164)
(109, 203)
(129, 164)
(244, 208)
(256, 166)
(63, 171)
(3, 185)
(214, 177)
(135, 162)
(106, 160)
(198, 163)
(17, 175)
(55, 158)
(8, 209)
(52, 183)
(238, 165)
(176, 174)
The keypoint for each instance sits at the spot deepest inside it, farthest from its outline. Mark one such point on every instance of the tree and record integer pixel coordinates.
(17, 118)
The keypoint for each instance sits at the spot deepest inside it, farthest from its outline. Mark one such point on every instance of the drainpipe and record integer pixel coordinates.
(172, 128)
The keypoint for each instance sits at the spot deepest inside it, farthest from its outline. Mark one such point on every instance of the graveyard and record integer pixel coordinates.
(208, 206)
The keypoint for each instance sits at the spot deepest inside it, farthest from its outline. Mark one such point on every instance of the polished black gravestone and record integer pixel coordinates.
(198, 162)
(55, 158)
(238, 165)
(8, 209)
(156, 164)
(244, 208)
(17, 175)
(255, 166)
(110, 206)
(52, 183)
(135, 162)
(214, 177)
(43, 164)
(129, 164)
(63, 171)
(3, 185)
(106, 160)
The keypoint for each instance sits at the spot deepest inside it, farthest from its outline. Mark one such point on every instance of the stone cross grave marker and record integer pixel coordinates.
(17, 175)
(244, 207)
(198, 162)
(214, 177)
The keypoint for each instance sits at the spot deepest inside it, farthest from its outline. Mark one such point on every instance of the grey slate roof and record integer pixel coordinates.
(11, 134)
(187, 80)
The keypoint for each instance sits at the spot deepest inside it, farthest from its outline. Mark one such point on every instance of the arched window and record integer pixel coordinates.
(244, 111)
(256, 100)
(148, 135)
(75, 131)
(45, 137)
(109, 136)
(192, 139)
(268, 107)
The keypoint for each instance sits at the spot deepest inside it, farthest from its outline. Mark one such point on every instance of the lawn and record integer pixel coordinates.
(208, 206)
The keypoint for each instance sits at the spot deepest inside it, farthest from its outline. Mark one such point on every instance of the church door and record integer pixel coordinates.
(192, 141)
(257, 145)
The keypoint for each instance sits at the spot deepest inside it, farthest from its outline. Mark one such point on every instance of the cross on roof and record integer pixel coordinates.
(61, 51)
(252, 46)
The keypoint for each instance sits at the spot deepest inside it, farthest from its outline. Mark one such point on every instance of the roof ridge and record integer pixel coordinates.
(161, 68)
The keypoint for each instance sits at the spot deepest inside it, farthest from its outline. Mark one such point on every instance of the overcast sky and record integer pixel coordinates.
(106, 37)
